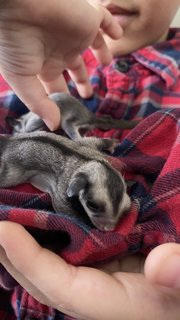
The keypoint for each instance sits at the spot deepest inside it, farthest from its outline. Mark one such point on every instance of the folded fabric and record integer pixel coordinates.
(148, 157)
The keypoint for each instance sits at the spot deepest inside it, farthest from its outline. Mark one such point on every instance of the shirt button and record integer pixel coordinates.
(122, 66)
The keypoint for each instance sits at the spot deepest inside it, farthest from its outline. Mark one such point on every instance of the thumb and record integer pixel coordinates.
(162, 265)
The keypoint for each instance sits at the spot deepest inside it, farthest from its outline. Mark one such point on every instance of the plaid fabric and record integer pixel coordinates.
(146, 86)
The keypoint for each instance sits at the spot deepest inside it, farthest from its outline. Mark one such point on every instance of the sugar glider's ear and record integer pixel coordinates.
(77, 183)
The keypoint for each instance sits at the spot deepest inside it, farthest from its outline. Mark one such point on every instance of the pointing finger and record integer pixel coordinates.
(31, 91)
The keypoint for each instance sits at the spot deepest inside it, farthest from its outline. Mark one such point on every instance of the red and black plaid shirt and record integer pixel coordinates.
(144, 85)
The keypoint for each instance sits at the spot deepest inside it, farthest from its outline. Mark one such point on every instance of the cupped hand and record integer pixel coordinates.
(118, 291)
(40, 39)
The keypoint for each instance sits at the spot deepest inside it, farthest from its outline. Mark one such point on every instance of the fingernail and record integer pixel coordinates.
(49, 124)
(170, 273)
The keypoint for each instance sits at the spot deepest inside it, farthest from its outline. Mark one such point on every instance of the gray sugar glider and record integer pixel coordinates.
(74, 117)
(64, 168)
(67, 169)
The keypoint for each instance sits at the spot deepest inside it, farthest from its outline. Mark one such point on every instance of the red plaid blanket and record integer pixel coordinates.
(149, 156)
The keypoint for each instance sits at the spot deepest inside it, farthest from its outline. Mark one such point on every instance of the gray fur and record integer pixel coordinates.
(74, 117)
(66, 169)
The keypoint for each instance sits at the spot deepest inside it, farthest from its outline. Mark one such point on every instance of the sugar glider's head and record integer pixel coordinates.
(102, 192)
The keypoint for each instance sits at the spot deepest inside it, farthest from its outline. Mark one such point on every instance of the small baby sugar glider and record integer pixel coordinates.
(66, 169)
(74, 117)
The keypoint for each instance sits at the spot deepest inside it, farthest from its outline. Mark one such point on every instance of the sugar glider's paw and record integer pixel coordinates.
(110, 144)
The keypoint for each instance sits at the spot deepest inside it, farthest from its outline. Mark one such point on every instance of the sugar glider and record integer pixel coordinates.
(74, 118)
(67, 169)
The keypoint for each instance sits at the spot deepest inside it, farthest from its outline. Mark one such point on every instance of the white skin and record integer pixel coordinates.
(120, 290)
(146, 22)
(130, 288)
(38, 40)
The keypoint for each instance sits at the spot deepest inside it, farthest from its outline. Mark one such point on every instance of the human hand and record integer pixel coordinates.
(118, 291)
(39, 40)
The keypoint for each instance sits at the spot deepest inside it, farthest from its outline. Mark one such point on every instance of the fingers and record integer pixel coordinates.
(57, 85)
(32, 93)
(20, 278)
(162, 266)
(84, 291)
(38, 270)
(109, 25)
(100, 50)
(133, 263)
(78, 73)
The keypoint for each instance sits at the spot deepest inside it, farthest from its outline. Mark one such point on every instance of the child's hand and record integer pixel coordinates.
(88, 293)
(39, 39)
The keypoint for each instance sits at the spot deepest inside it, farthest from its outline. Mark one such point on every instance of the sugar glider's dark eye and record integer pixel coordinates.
(93, 206)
